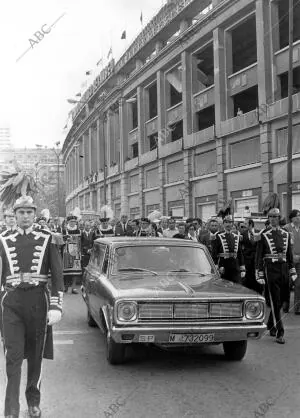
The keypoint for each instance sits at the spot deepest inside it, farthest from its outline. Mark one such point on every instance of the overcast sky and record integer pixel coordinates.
(34, 89)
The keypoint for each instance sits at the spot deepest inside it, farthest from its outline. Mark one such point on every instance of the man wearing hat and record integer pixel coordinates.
(145, 230)
(10, 222)
(227, 252)
(72, 254)
(274, 263)
(41, 222)
(105, 229)
(123, 228)
(29, 309)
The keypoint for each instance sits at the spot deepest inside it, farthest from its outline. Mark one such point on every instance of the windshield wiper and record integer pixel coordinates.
(137, 269)
(189, 271)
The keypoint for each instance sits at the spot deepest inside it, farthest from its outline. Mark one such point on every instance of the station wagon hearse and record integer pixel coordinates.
(166, 292)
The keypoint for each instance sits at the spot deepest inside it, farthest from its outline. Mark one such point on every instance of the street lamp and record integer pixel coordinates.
(57, 153)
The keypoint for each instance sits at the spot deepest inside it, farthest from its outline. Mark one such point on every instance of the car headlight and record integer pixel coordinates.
(127, 311)
(254, 310)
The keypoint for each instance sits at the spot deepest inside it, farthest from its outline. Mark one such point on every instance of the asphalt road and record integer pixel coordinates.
(80, 383)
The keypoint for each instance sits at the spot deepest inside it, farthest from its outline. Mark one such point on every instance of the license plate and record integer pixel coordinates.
(146, 338)
(192, 338)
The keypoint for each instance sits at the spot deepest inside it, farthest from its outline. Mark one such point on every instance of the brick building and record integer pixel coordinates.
(193, 114)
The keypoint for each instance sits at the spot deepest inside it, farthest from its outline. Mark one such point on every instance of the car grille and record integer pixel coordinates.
(189, 311)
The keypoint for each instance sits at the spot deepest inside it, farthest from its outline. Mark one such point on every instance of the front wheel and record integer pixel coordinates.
(235, 350)
(115, 352)
(91, 322)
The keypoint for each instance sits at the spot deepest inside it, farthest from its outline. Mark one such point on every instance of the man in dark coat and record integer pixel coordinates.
(28, 308)
(274, 262)
(227, 253)
(87, 240)
(123, 228)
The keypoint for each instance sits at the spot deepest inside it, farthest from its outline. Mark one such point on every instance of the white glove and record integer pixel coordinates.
(222, 270)
(54, 316)
(243, 274)
(261, 281)
(294, 277)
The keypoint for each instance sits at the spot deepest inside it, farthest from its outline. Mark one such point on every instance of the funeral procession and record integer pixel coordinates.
(150, 209)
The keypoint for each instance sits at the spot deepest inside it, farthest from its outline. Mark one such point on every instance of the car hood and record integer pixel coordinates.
(178, 286)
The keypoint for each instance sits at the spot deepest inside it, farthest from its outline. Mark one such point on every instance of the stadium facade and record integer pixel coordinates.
(194, 114)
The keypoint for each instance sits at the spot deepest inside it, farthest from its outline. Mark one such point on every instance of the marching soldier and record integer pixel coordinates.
(10, 222)
(227, 253)
(28, 310)
(72, 254)
(274, 262)
(105, 230)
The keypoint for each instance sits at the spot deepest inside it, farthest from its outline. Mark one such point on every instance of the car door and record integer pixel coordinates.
(95, 279)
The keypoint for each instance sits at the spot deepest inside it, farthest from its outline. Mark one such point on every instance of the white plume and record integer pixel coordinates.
(76, 212)
(46, 214)
(154, 216)
(106, 212)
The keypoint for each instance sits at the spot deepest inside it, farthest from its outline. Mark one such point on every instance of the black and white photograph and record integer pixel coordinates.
(150, 208)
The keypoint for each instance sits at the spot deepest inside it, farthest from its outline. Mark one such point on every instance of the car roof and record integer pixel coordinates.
(146, 241)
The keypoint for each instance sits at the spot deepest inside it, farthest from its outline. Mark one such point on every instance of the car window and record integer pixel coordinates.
(162, 258)
(97, 256)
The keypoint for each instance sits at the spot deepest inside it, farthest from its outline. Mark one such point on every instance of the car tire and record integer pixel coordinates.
(115, 352)
(235, 350)
(91, 322)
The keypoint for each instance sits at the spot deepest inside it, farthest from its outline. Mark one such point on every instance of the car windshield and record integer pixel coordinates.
(161, 259)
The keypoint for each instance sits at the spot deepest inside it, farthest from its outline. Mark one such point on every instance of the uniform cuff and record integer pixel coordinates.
(56, 302)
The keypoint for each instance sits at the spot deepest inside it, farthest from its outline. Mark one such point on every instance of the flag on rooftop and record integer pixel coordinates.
(88, 72)
(109, 53)
(78, 95)
(123, 35)
(99, 62)
(141, 18)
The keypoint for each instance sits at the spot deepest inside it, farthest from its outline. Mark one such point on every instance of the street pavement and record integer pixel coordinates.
(80, 383)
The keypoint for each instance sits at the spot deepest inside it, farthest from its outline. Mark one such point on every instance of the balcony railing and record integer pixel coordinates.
(133, 135)
(280, 108)
(204, 98)
(244, 121)
(148, 157)
(113, 170)
(174, 114)
(131, 164)
(200, 137)
(170, 148)
(151, 126)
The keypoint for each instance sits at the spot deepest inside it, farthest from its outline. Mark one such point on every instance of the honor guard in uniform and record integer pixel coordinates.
(10, 222)
(28, 309)
(105, 230)
(227, 253)
(274, 262)
(72, 253)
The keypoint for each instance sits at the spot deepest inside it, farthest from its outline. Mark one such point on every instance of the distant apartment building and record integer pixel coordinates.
(192, 115)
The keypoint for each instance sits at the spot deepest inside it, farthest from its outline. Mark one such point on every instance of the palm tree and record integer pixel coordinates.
(14, 184)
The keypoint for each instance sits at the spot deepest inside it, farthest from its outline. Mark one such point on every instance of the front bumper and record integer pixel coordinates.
(161, 335)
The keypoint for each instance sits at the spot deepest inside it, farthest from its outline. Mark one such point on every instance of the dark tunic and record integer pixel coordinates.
(274, 262)
(227, 253)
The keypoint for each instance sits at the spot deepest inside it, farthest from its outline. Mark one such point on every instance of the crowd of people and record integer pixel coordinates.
(38, 256)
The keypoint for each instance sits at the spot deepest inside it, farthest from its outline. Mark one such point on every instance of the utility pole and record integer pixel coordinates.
(57, 153)
(105, 167)
(289, 195)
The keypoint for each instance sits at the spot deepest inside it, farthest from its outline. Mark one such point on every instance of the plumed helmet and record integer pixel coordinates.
(8, 212)
(274, 212)
(24, 202)
(41, 218)
(71, 218)
(228, 218)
